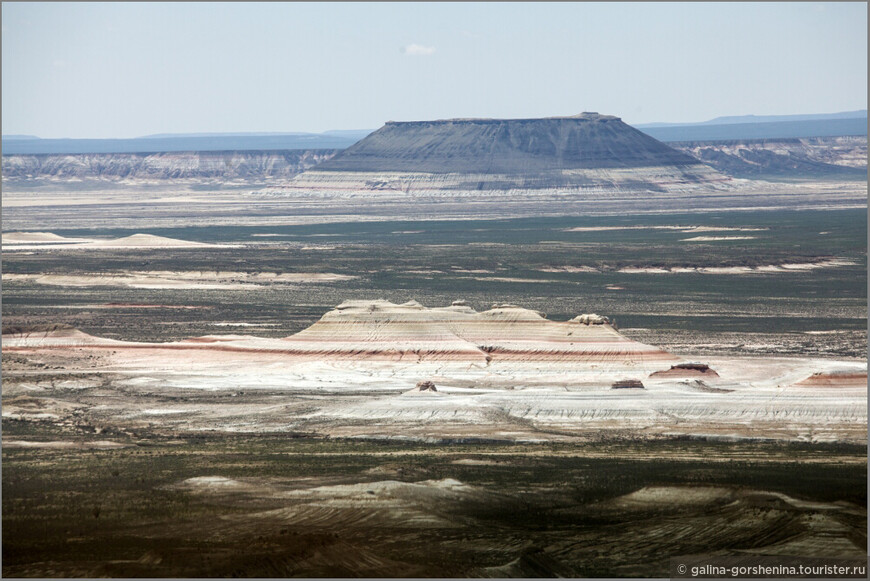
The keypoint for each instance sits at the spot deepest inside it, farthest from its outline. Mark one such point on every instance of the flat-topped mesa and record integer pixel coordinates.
(582, 151)
(385, 329)
(585, 116)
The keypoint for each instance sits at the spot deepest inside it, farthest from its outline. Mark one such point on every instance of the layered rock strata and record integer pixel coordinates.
(505, 373)
(190, 165)
(506, 332)
(381, 330)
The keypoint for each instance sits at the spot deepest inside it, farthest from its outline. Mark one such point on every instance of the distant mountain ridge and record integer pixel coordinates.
(848, 123)
(349, 133)
(740, 119)
(764, 130)
(195, 142)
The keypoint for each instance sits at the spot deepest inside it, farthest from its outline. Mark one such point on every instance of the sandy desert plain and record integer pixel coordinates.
(209, 380)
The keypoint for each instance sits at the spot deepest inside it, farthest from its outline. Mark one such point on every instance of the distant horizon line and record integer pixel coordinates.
(721, 120)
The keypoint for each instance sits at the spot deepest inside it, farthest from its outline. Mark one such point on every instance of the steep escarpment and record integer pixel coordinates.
(586, 151)
(814, 157)
(224, 165)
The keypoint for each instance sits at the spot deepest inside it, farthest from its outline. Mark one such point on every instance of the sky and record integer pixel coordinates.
(117, 70)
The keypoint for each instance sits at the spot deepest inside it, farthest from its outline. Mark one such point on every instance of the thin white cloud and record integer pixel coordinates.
(418, 50)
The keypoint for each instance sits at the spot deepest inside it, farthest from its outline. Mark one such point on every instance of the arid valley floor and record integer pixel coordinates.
(212, 380)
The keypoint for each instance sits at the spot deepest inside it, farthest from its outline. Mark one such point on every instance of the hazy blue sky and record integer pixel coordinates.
(125, 69)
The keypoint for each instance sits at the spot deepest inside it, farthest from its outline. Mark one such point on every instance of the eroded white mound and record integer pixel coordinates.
(38, 238)
(148, 241)
(51, 241)
(382, 328)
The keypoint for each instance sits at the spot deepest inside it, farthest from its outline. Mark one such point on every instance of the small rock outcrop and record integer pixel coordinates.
(702, 367)
(687, 370)
(591, 319)
(627, 384)
(426, 386)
